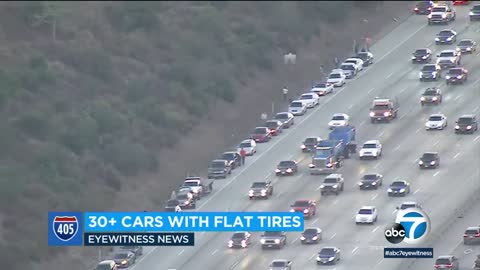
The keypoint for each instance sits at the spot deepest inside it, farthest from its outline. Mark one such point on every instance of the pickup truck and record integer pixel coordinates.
(198, 185)
(383, 109)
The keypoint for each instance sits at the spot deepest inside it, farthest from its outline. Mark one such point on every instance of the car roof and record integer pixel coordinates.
(473, 228)
(417, 49)
(466, 39)
(261, 127)
(272, 120)
(353, 59)
(449, 51)
(433, 153)
(436, 114)
(367, 207)
(303, 200)
(467, 116)
(247, 141)
(282, 113)
(328, 248)
(403, 181)
(230, 152)
(312, 228)
(340, 114)
(219, 160)
(450, 30)
(297, 101)
(334, 175)
(107, 262)
(372, 141)
(410, 203)
(445, 257)
(349, 64)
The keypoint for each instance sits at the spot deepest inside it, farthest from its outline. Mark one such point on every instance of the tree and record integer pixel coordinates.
(51, 13)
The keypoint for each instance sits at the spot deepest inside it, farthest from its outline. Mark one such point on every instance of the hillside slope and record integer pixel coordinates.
(97, 96)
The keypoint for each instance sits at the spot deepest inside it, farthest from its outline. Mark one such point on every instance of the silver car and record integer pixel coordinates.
(297, 107)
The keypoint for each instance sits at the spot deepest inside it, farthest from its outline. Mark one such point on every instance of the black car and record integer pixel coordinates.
(138, 250)
(124, 259)
(328, 255)
(171, 205)
(422, 56)
(475, 13)
(466, 124)
(286, 118)
(466, 46)
(286, 167)
(423, 8)
(186, 198)
(399, 188)
(367, 58)
(429, 160)
(371, 181)
(239, 240)
(311, 236)
(432, 95)
(233, 159)
(430, 72)
(310, 144)
(446, 37)
(456, 75)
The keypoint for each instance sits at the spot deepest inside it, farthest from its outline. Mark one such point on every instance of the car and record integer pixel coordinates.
(339, 120)
(371, 149)
(311, 235)
(137, 250)
(310, 144)
(106, 265)
(337, 78)
(399, 188)
(474, 14)
(367, 58)
(423, 8)
(274, 126)
(198, 185)
(297, 107)
(430, 72)
(261, 134)
(423, 55)
(408, 205)
(429, 160)
(333, 183)
(370, 181)
(471, 235)
(460, 2)
(328, 255)
(286, 167)
(366, 214)
(349, 69)
(307, 207)
(124, 259)
(186, 198)
(286, 118)
(436, 121)
(310, 99)
(273, 239)
(357, 62)
(219, 168)
(383, 110)
(239, 240)
(449, 58)
(466, 124)
(233, 158)
(431, 95)
(447, 261)
(322, 89)
(446, 36)
(466, 46)
(260, 190)
(456, 75)
(171, 205)
(249, 145)
(441, 14)
(281, 265)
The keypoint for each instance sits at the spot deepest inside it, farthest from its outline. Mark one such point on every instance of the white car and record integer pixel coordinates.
(407, 205)
(436, 121)
(366, 214)
(357, 62)
(349, 69)
(337, 77)
(322, 89)
(310, 99)
(339, 120)
(249, 145)
(371, 149)
(297, 107)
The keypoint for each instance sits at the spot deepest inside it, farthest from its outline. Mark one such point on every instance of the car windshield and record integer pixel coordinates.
(365, 211)
(121, 255)
(428, 156)
(398, 184)
(406, 206)
(435, 118)
(347, 67)
(310, 140)
(281, 116)
(420, 52)
(442, 261)
(330, 180)
(310, 231)
(103, 267)
(296, 104)
(429, 68)
(286, 163)
(217, 164)
(184, 191)
(465, 120)
(381, 107)
(439, 9)
(369, 177)
(301, 204)
(465, 43)
(327, 251)
(351, 61)
(321, 85)
(278, 264)
(260, 131)
(172, 203)
(369, 145)
(238, 236)
(471, 231)
(245, 145)
(476, 8)
(430, 93)
(182, 196)
(446, 54)
(271, 124)
(306, 97)
(338, 117)
(455, 71)
(258, 185)
(445, 33)
(335, 76)
(271, 233)
(228, 156)
(362, 55)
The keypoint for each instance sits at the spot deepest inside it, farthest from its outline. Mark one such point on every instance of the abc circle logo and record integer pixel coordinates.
(411, 226)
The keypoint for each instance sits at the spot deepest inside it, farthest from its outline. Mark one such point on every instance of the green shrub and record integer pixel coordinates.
(81, 133)
(129, 157)
(109, 120)
(13, 179)
(35, 124)
(132, 16)
(9, 85)
(95, 62)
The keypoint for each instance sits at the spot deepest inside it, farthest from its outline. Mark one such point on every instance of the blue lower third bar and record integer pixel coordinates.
(407, 253)
(138, 239)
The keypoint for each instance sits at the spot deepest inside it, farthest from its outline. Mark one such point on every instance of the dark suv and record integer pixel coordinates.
(219, 168)
(233, 159)
(432, 95)
(422, 56)
(456, 75)
(429, 160)
(466, 124)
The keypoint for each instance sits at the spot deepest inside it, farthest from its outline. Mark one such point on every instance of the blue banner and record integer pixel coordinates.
(192, 221)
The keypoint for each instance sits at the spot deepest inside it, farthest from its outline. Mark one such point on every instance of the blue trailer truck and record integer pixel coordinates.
(329, 154)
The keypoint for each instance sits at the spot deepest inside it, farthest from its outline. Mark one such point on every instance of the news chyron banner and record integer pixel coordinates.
(159, 228)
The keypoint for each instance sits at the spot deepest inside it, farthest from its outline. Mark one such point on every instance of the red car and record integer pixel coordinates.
(458, 3)
(274, 126)
(261, 134)
(307, 207)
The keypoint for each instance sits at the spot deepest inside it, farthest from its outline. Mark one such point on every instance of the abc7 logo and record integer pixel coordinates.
(411, 226)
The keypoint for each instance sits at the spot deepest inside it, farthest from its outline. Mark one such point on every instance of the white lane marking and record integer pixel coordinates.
(458, 154)
(473, 267)
(418, 130)
(476, 108)
(350, 107)
(181, 252)
(389, 75)
(311, 257)
(354, 250)
(394, 211)
(457, 97)
(380, 261)
(143, 257)
(374, 197)
(437, 142)
(403, 89)
(294, 240)
(234, 265)
(369, 91)
(214, 252)
(362, 123)
(416, 191)
(335, 202)
(401, 43)
(396, 148)
(278, 194)
(478, 54)
(467, 251)
(354, 216)
(331, 237)
(476, 138)
(478, 80)
(315, 221)
(435, 174)
(430, 44)
(376, 165)
(318, 188)
(381, 133)
(376, 228)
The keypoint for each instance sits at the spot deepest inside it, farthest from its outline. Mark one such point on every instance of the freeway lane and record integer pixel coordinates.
(347, 202)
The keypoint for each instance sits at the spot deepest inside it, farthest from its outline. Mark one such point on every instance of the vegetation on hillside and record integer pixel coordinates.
(89, 92)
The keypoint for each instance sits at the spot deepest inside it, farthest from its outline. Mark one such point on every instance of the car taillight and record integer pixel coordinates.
(415, 8)
(477, 235)
(465, 235)
(449, 265)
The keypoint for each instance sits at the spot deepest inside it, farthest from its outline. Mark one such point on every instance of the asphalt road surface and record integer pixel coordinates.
(446, 193)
